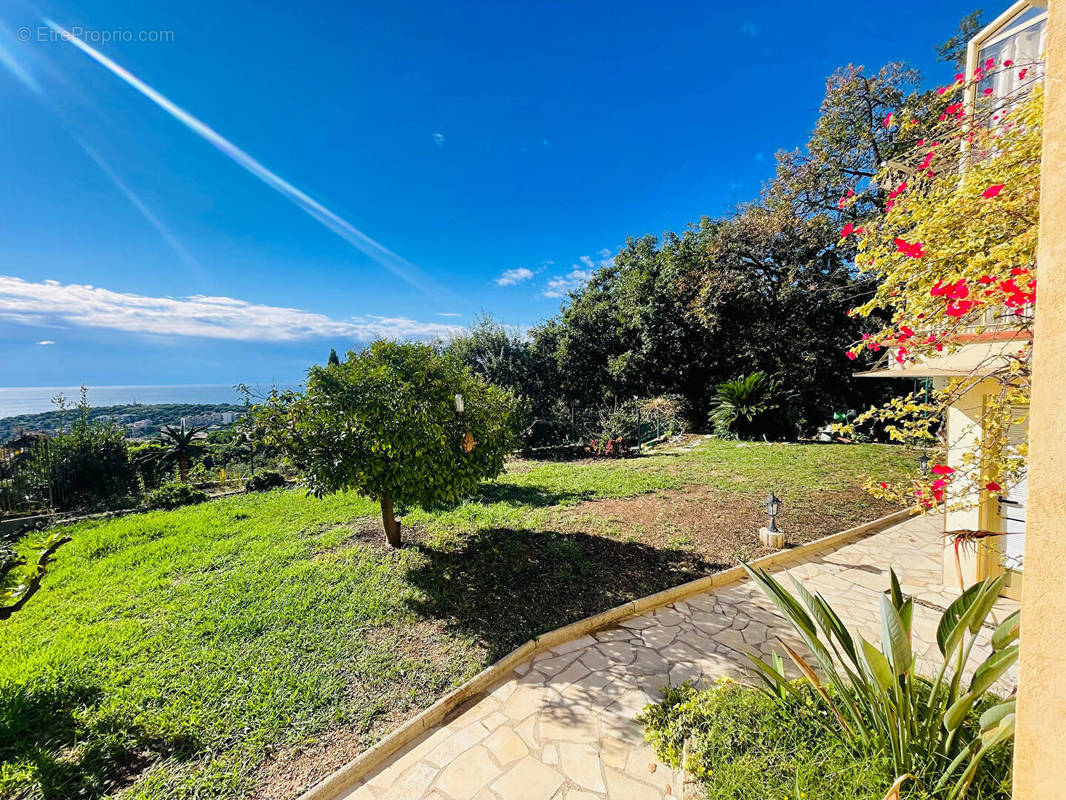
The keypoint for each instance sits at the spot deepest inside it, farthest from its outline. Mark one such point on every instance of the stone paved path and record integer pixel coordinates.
(563, 726)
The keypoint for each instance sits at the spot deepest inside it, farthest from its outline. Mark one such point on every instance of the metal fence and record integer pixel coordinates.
(32, 481)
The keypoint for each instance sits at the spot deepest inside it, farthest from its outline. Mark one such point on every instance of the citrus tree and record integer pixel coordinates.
(954, 252)
(386, 423)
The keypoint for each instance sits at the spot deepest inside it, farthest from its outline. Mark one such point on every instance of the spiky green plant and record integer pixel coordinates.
(879, 703)
(741, 405)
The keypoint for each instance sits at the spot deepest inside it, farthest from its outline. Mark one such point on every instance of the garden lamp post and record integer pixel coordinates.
(772, 536)
(923, 463)
(773, 506)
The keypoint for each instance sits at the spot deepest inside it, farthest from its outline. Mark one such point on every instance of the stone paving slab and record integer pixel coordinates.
(563, 726)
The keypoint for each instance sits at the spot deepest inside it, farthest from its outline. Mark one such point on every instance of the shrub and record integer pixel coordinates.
(385, 423)
(742, 745)
(173, 495)
(264, 481)
(942, 730)
(152, 469)
(744, 407)
(607, 448)
(88, 468)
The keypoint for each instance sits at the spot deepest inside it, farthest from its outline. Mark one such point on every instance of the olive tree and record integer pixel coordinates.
(386, 423)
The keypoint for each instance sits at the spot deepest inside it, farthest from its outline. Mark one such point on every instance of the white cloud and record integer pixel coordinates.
(561, 285)
(53, 303)
(448, 314)
(512, 276)
(438, 138)
(46, 341)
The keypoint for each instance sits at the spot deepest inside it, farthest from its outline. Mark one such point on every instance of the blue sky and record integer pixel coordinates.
(491, 154)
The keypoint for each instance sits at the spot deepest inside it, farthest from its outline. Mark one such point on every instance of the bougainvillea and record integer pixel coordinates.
(955, 256)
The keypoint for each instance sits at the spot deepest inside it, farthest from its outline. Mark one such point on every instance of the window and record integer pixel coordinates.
(1020, 37)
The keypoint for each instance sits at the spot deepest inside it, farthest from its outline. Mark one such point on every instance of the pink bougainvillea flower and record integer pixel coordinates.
(851, 356)
(840, 203)
(992, 191)
(992, 486)
(1016, 271)
(851, 192)
(1021, 75)
(906, 331)
(987, 91)
(959, 77)
(900, 354)
(888, 120)
(1008, 63)
(938, 495)
(959, 308)
(990, 63)
(889, 204)
(985, 280)
(942, 469)
(913, 250)
(939, 483)
(898, 190)
(928, 160)
(941, 89)
(847, 230)
(884, 485)
(958, 290)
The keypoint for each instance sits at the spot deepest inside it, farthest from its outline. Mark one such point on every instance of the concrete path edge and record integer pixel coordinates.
(369, 760)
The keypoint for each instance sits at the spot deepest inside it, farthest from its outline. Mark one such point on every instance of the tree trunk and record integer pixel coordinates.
(392, 525)
(183, 468)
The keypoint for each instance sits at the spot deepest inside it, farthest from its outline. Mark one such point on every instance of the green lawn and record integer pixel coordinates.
(172, 654)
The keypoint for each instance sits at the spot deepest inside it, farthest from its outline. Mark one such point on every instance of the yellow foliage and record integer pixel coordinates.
(955, 255)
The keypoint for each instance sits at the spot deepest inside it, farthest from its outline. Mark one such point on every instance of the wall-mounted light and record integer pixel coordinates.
(459, 407)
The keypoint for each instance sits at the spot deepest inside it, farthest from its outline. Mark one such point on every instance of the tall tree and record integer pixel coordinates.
(333, 359)
(954, 49)
(627, 333)
(773, 286)
(853, 136)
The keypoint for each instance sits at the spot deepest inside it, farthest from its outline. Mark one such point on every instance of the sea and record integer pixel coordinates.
(36, 399)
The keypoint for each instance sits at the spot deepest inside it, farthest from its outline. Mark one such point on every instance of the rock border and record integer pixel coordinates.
(332, 785)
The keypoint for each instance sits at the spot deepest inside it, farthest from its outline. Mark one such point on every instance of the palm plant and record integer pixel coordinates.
(179, 446)
(876, 699)
(741, 405)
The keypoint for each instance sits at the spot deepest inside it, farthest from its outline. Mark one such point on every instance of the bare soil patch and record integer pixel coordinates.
(719, 527)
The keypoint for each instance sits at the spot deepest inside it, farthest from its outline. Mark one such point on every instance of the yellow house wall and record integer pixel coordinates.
(1039, 768)
(964, 435)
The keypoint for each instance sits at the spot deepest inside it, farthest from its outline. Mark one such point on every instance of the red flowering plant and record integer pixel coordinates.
(954, 254)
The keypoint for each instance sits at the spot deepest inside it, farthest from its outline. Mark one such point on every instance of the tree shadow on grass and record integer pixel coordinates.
(505, 586)
(53, 737)
(536, 496)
